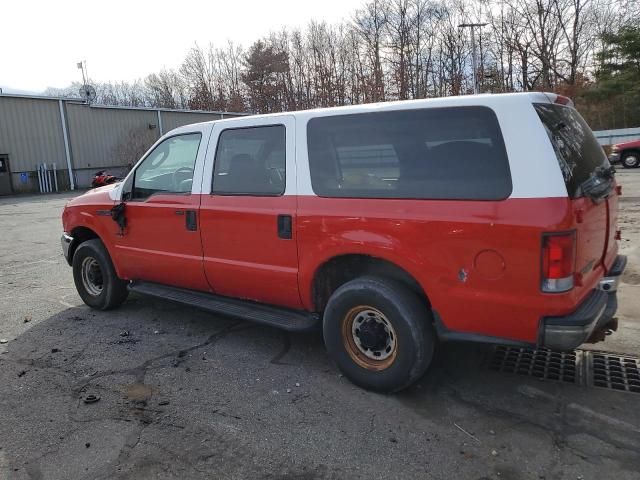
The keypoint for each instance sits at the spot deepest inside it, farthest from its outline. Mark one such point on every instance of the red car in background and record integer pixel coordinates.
(627, 153)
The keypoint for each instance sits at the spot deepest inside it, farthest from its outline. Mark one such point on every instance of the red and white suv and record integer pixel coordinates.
(485, 218)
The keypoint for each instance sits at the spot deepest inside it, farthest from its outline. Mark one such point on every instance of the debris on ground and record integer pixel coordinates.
(55, 350)
(87, 445)
(3, 341)
(27, 318)
(124, 333)
(494, 453)
(22, 373)
(288, 390)
(466, 433)
(91, 398)
(297, 384)
(163, 402)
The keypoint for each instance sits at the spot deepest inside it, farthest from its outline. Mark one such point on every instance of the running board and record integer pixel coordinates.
(277, 317)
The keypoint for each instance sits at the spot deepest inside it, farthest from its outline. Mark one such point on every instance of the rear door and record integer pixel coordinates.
(590, 185)
(248, 213)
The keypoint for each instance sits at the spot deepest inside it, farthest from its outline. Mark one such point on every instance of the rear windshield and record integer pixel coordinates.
(436, 153)
(577, 150)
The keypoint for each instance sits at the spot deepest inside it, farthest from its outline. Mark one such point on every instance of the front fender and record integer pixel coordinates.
(90, 220)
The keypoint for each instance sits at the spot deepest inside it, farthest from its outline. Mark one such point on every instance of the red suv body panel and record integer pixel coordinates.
(479, 262)
(243, 256)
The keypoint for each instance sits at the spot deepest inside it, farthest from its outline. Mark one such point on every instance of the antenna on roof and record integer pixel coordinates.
(87, 92)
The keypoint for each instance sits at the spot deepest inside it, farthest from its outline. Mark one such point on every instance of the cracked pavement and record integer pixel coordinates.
(185, 394)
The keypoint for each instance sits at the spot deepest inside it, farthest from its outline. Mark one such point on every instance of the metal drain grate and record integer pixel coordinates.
(580, 367)
(538, 363)
(616, 371)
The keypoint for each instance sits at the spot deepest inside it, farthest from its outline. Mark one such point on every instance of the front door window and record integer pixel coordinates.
(168, 168)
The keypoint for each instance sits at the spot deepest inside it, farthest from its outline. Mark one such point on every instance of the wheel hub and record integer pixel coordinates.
(372, 335)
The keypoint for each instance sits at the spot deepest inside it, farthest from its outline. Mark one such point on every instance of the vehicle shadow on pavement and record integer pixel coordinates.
(157, 389)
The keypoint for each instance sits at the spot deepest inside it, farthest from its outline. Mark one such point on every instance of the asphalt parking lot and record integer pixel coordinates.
(183, 394)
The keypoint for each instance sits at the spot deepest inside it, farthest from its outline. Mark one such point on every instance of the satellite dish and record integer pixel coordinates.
(88, 93)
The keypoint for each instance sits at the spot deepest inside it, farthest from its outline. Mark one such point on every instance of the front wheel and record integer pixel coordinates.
(379, 333)
(631, 160)
(95, 278)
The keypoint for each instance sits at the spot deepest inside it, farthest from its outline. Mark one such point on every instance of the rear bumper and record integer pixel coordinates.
(593, 315)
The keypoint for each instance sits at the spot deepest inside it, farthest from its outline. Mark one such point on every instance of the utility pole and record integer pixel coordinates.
(474, 61)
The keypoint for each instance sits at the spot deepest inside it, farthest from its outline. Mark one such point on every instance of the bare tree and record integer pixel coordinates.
(390, 49)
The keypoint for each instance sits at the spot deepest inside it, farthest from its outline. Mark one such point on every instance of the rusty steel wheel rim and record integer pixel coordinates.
(369, 338)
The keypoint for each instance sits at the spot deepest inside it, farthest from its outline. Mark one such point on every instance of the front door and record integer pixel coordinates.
(161, 242)
(248, 216)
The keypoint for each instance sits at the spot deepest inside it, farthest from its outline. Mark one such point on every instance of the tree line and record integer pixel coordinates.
(407, 49)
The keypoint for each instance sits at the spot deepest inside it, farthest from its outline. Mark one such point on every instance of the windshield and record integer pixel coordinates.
(577, 150)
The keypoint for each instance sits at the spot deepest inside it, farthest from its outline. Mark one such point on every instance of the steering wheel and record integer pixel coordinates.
(174, 177)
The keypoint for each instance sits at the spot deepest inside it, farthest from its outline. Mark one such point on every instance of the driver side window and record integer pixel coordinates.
(168, 168)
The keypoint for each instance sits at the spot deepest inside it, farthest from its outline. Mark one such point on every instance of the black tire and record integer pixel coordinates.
(630, 160)
(409, 317)
(94, 256)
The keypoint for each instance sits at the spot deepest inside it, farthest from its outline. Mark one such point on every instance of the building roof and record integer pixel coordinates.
(121, 107)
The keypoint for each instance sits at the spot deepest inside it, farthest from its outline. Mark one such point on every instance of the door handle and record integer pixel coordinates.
(191, 220)
(285, 230)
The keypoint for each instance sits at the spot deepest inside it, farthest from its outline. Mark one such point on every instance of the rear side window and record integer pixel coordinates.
(250, 161)
(577, 150)
(436, 153)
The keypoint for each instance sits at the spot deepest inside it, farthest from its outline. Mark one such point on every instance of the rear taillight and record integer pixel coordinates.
(558, 261)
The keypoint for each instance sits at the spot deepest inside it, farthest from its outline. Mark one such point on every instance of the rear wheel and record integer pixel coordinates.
(630, 160)
(95, 278)
(379, 333)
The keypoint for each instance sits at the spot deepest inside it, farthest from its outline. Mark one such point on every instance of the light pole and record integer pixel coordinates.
(473, 26)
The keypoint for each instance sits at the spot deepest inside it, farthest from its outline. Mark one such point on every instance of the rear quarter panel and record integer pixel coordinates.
(478, 262)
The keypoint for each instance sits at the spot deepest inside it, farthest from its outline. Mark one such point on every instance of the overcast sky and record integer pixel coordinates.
(127, 39)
